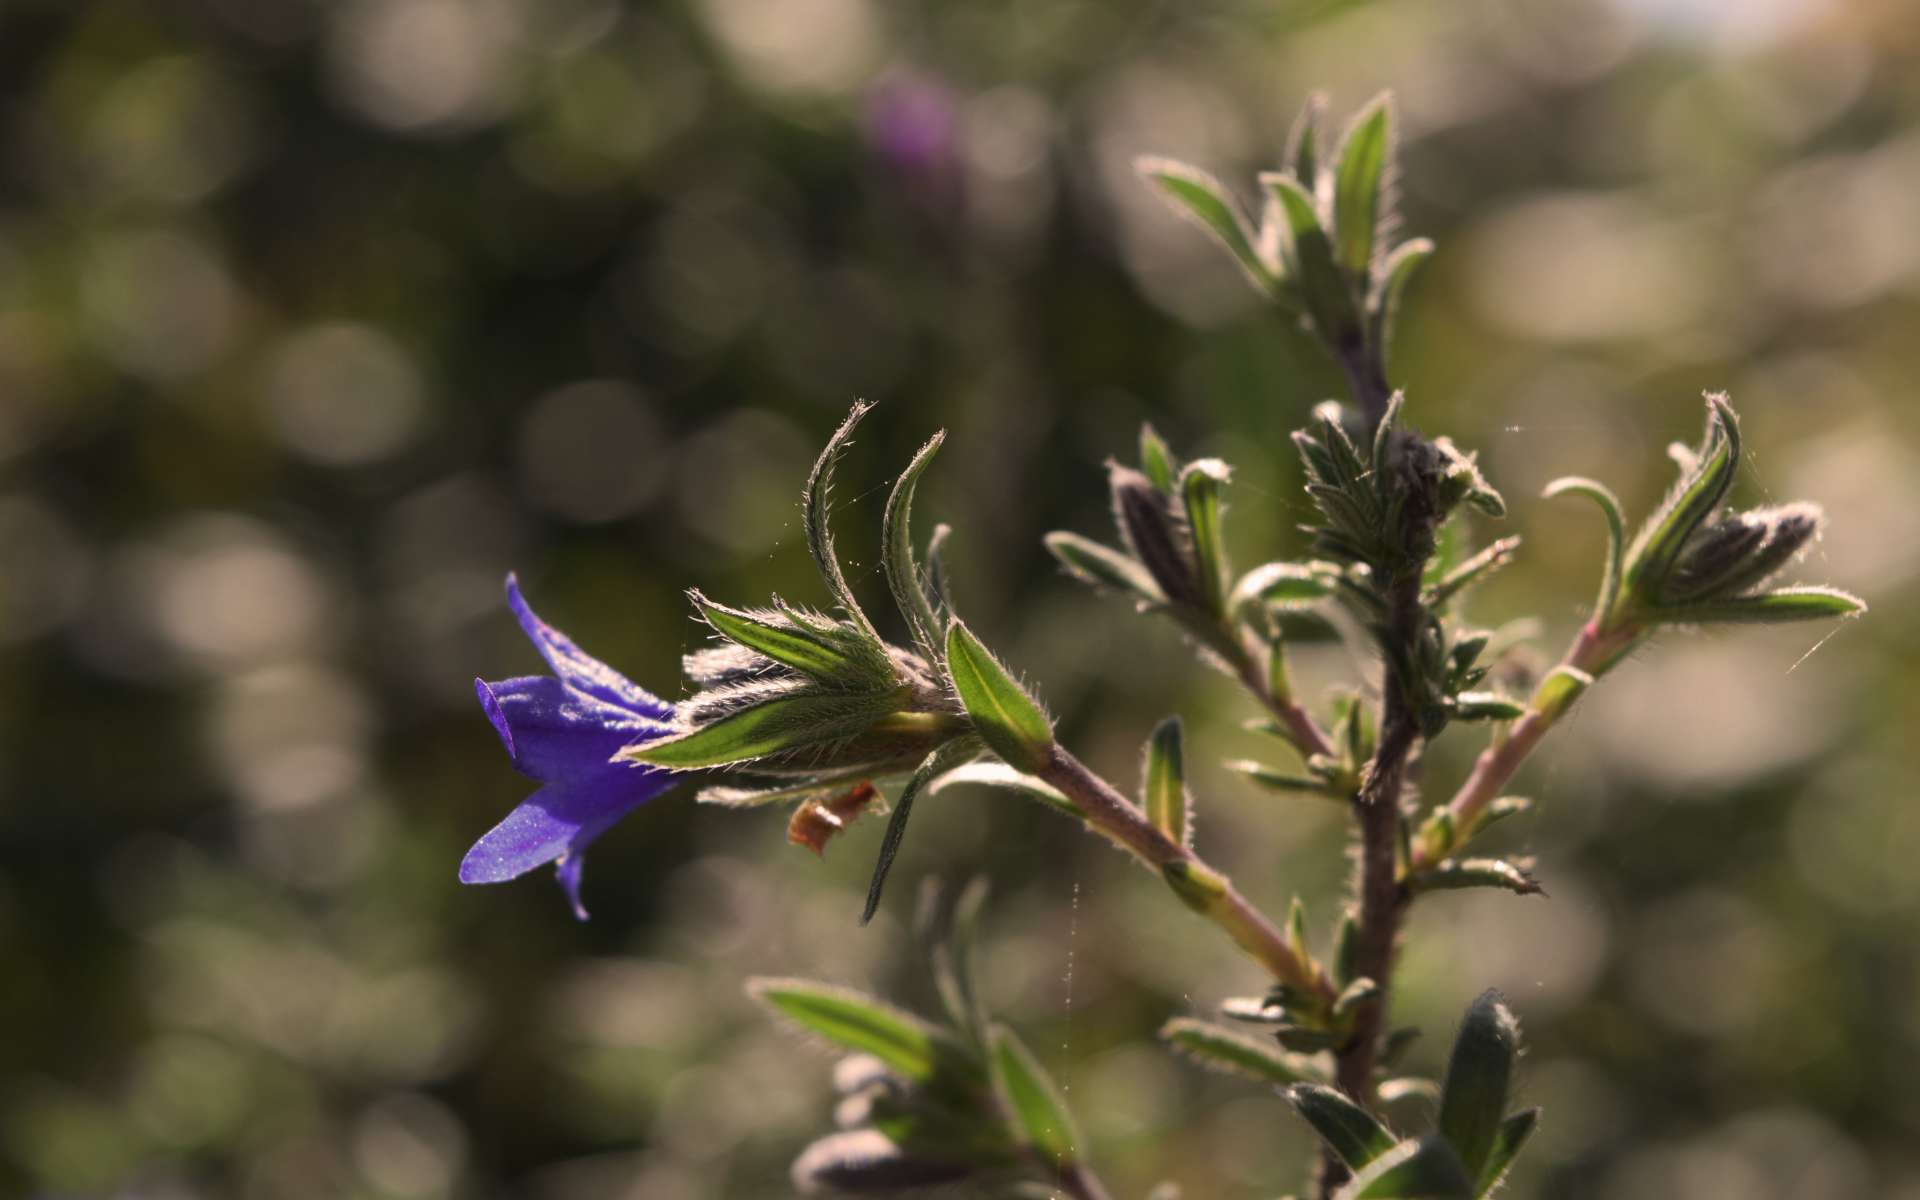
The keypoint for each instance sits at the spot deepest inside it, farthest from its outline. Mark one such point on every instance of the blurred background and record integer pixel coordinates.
(316, 319)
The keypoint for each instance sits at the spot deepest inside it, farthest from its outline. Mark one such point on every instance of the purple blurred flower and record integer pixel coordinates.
(563, 730)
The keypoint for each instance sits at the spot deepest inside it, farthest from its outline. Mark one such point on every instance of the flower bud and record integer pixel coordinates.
(1155, 530)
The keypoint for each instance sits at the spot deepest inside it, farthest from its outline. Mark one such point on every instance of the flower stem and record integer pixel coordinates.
(1203, 889)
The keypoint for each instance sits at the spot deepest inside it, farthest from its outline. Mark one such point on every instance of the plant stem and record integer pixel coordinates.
(1592, 651)
(1382, 896)
(1205, 890)
(1079, 1182)
(1301, 729)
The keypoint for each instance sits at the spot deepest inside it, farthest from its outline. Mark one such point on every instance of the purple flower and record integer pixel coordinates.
(563, 730)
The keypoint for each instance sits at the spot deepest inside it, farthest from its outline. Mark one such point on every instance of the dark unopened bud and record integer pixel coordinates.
(1155, 530)
(1739, 552)
(865, 1162)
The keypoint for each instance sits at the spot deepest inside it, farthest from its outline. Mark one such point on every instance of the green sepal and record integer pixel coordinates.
(1235, 1053)
(939, 761)
(788, 723)
(1427, 1169)
(896, 553)
(1476, 872)
(1363, 186)
(1601, 495)
(835, 656)
(816, 511)
(1507, 1144)
(1473, 1099)
(1033, 1102)
(908, 1045)
(1102, 567)
(1200, 492)
(1163, 782)
(1202, 199)
(1349, 1130)
(1008, 719)
(1311, 261)
(1777, 607)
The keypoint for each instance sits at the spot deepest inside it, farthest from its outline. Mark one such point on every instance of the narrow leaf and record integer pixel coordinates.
(1558, 691)
(1285, 583)
(1156, 459)
(1096, 565)
(866, 1161)
(1235, 1053)
(1303, 141)
(1609, 504)
(1473, 1100)
(1495, 555)
(1033, 1101)
(1389, 296)
(1279, 781)
(1202, 199)
(1000, 775)
(1200, 489)
(1767, 608)
(1507, 1144)
(1326, 293)
(1350, 1131)
(816, 511)
(850, 1019)
(896, 542)
(1362, 190)
(1164, 782)
(1487, 706)
(1476, 872)
(1004, 715)
(1693, 500)
(945, 758)
(1427, 1169)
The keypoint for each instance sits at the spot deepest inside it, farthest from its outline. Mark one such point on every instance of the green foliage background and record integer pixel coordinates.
(315, 319)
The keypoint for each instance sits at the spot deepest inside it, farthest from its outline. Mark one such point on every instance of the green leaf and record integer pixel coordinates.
(1202, 199)
(1000, 775)
(1235, 1053)
(1164, 782)
(1507, 1144)
(1697, 496)
(816, 511)
(1346, 949)
(1427, 1169)
(1768, 608)
(1279, 781)
(866, 1162)
(1200, 489)
(1033, 1101)
(1303, 141)
(1354, 994)
(1473, 1100)
(1310, 254)
(1609, 504)
(1558, 691)
(1096, 565)
(1487, 706)
(1476, 872)
(1495, 555)
(1004, 715)
(767, 728)
(1285, 583)
(1350, 1131)
(1156, 459)
(840, 658)
(1362, 190)
(937, 589)
(1389, 295)
(943, 759)
(896, 542)
(855, 1021)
